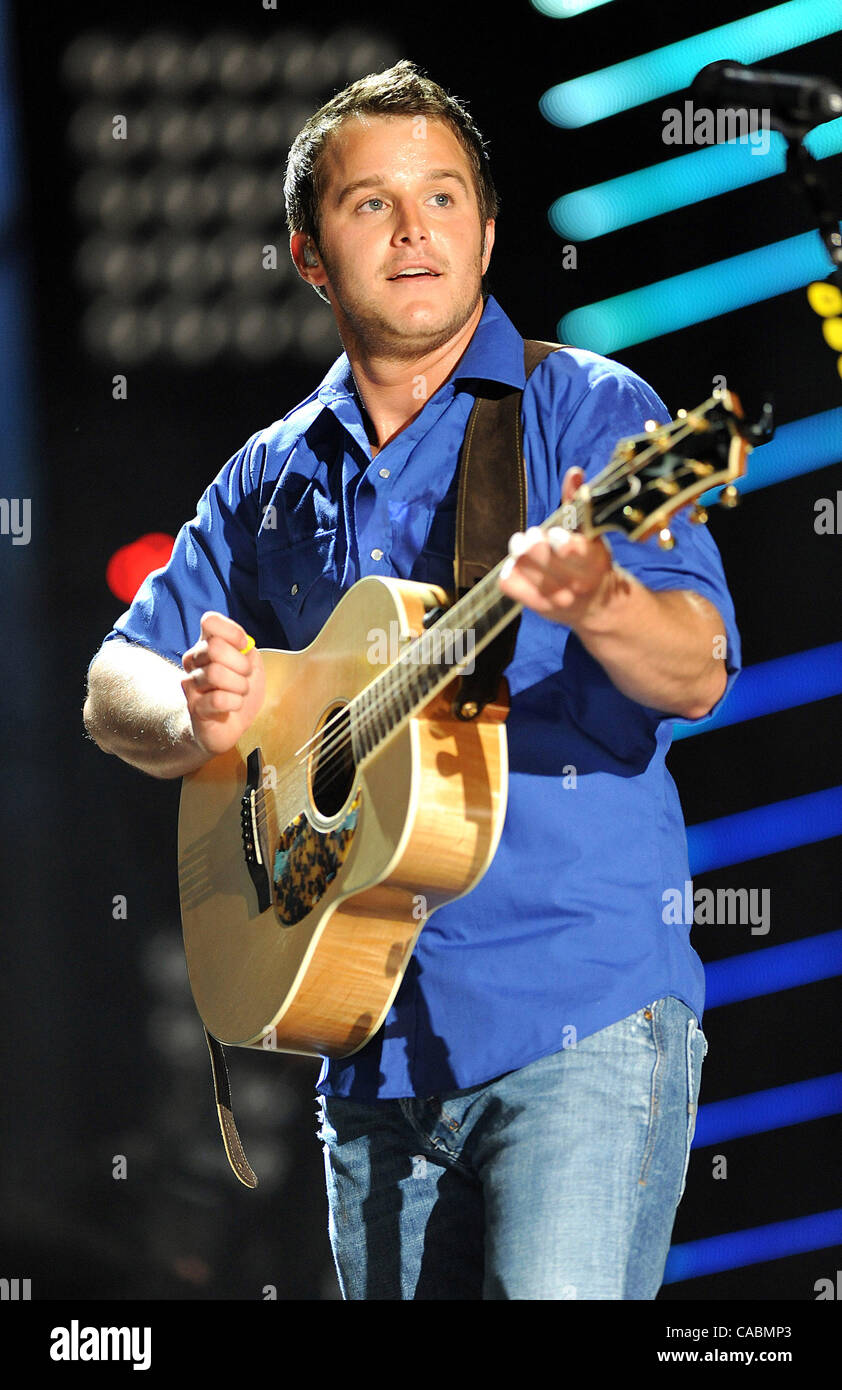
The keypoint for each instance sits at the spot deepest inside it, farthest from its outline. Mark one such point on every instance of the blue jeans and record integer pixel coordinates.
(557, 1181)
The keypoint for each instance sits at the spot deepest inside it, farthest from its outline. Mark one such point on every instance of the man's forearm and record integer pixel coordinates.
(664, 649)
(136, 710)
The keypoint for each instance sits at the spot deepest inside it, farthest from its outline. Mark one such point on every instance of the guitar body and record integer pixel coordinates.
(305, 883)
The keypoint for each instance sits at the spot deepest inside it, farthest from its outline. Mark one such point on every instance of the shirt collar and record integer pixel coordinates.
(495, 353)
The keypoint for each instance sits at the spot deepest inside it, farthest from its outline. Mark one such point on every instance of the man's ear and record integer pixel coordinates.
(487, 243)
(306, 259)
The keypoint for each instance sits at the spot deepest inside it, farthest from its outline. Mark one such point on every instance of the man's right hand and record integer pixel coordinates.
(224, 687)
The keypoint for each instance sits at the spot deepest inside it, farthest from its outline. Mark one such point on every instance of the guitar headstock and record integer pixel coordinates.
(653, 475)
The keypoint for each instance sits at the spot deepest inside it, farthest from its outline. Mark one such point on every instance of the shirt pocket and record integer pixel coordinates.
(300, 582)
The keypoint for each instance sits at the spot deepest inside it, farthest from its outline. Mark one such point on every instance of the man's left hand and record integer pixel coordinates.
(559, 574)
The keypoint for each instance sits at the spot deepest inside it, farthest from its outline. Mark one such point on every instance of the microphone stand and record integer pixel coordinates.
(802, 171)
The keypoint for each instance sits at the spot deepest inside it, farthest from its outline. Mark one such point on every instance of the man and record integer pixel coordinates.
(520, 1127)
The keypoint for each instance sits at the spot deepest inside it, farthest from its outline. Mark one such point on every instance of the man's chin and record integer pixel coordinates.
(416, 328)
(423, 324)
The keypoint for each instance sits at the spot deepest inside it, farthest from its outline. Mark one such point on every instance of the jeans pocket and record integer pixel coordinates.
(696, 1052)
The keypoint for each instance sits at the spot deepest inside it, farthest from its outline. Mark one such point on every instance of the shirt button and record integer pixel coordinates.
(377, 554)
(294, 589)
(384, 472)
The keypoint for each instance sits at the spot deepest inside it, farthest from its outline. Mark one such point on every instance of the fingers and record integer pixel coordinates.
(214, 702)
(548, 556)
(573, 479)
(546, 601)
(218, 669)
(222, 654)
(554, 572)
(217, 665)
(217, 625)
(214, 691)
(225, 632)
(223, 683)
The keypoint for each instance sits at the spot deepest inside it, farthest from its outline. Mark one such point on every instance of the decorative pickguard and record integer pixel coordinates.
(307, 860)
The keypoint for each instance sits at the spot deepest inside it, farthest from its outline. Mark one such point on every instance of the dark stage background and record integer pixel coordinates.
(114, 1181)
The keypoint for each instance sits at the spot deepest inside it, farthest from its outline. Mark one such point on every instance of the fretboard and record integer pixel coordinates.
(430, 662)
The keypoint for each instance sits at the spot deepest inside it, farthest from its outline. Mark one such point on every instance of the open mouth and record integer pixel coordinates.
(415, 274)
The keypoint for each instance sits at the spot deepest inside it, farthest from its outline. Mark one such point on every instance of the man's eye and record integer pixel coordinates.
(369, 201)
(447, 199)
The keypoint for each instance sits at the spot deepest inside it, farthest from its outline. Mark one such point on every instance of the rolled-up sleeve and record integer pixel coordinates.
(213, 567)
(616, 404)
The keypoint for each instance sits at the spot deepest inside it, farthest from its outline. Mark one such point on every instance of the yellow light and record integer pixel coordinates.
(832, 330)
(824, 299)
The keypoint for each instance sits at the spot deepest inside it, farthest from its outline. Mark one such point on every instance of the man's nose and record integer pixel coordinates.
(410, 224)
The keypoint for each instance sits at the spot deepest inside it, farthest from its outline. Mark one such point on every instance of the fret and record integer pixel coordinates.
(360, 742)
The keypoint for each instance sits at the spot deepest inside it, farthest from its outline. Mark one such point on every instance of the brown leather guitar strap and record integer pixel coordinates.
(491, 506)
(228, 1129)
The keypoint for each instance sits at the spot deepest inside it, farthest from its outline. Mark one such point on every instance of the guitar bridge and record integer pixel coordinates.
(253, 826)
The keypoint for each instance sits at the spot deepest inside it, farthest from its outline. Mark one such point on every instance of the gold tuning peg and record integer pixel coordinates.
(699, 515)
(729, 496)
(666, 540)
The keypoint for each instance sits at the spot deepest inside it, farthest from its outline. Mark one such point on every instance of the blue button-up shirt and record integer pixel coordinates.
(567, 932)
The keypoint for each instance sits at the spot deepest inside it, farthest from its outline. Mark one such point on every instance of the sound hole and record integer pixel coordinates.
(333, 770)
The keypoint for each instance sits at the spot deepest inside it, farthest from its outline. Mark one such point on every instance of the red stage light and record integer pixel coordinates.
(129, 566)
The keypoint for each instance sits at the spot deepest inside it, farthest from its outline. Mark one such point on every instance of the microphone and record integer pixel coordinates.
(793, 102)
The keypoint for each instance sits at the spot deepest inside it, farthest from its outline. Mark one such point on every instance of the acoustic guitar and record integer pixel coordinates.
(357, 803)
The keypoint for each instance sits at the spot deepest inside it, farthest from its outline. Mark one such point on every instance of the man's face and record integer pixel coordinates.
(403, 250)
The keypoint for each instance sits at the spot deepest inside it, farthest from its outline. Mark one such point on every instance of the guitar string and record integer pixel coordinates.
(386, 691)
